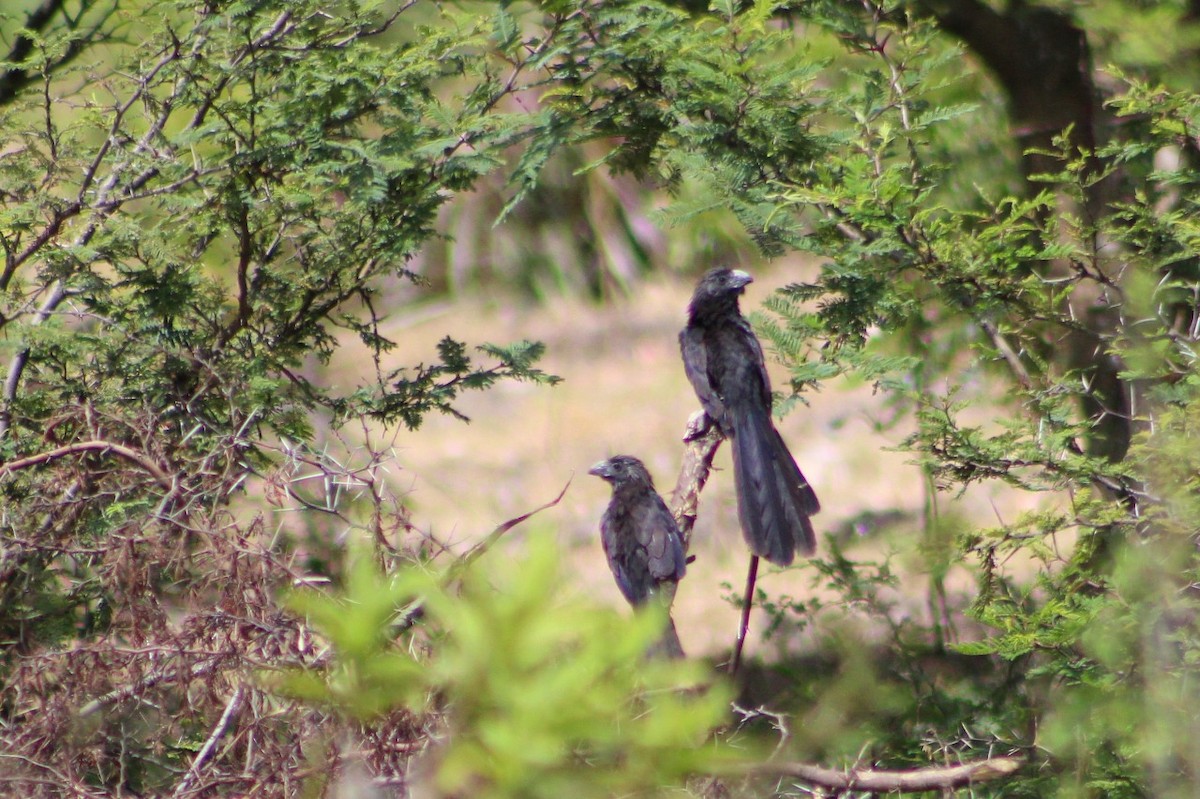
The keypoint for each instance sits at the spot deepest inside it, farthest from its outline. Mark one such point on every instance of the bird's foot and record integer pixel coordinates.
(698, 424)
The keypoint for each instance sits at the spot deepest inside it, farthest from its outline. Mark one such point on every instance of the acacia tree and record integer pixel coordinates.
(199, 201)
(193, 207)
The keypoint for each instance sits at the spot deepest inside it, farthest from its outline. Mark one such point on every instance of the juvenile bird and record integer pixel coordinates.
(724, 363)
(640, 539)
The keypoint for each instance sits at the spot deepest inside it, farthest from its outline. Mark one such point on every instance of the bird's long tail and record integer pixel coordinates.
(774, 500)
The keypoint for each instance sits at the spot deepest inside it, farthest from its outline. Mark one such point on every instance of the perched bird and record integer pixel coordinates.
(640, 539)
(724, 363)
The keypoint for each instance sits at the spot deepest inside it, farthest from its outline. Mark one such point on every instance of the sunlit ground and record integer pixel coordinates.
(624, 391)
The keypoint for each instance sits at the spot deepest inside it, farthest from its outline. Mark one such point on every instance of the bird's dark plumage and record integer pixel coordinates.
(639, 534)
(724, 363)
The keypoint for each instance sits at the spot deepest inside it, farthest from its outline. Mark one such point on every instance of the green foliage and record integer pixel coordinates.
(718, 98)
(543, 695)
(436, 386)
(1127, 710)
(1101, 635)
(1071, 299)
(181, 247)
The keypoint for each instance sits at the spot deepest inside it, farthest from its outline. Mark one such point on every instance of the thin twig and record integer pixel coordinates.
(483, 546)
(1006, 351)
(744, 623)
(60, 780)
(231, 709)
(131, 690)
(417, 609)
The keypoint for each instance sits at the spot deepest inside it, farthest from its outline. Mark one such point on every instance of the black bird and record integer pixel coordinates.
(640, 539)
(724, 363)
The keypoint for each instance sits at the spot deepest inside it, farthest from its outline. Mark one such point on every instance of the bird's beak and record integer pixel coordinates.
(740, 278)
(601, 469)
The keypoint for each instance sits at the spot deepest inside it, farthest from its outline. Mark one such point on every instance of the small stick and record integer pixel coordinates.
(744, 624)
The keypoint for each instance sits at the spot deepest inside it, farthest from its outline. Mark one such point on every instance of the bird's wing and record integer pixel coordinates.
(610, 536)
(751, 343)
(658, 536)
(695, 365)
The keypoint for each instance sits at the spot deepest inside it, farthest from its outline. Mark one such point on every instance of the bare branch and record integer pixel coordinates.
(231, 710)
(90, 446)
(417, 609)
(1010, 356)
(735, 662)
(60, 780)
(496, 534)
(129, 691)
(702, 439)
(930, 778)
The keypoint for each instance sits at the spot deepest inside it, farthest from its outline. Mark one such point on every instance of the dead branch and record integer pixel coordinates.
(90, 446)
(129, 691)
(416, 611)
(494, 536)
(928, 778)
(57, 779)
(193, 773)
(702, 439)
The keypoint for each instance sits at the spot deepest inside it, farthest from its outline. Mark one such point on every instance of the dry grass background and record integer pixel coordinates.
(624, 391)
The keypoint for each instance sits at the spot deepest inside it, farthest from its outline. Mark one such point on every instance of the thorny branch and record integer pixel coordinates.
(90, 446)
(193, 773)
